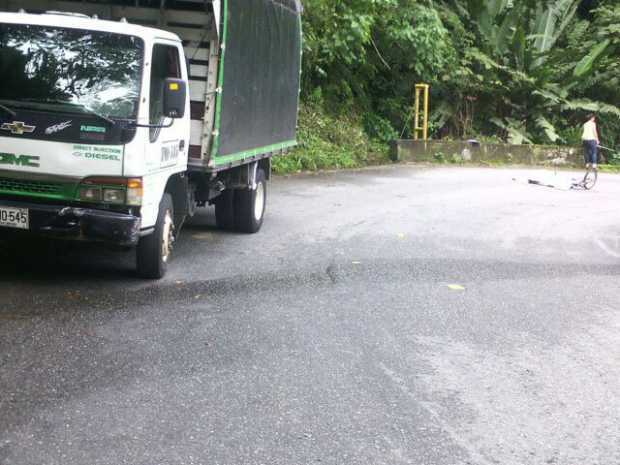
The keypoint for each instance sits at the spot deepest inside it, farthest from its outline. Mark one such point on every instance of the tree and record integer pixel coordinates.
(524, 71)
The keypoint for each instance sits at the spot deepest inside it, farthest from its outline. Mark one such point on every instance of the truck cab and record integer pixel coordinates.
(93, 125)
(114, 132)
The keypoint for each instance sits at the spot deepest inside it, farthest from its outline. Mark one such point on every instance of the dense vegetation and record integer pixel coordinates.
(522, 71)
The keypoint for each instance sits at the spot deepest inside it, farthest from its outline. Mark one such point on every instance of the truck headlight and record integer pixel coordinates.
(90, 194)
(114, 196)
(112, 191)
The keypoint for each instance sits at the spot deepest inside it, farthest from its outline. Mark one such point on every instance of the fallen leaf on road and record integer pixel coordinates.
(202, 236)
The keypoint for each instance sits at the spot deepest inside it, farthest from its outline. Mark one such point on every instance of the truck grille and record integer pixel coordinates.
(30, 187)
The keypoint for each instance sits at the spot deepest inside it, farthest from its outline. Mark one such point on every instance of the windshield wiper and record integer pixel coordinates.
(99, 115)
(8, 110)
(84, 108)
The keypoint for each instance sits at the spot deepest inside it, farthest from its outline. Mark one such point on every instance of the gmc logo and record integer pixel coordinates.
(19, 160)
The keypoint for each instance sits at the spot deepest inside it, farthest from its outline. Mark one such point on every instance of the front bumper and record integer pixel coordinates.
(85, 224)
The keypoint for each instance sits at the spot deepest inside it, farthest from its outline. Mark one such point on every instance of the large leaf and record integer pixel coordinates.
(586, 64)
(549, 129)
(497, 7)
(550, 25)
(517, 134)
(591, 106)
(552, 94)
(553, 22)
(505, 33)
(519, 45)
(490, 63)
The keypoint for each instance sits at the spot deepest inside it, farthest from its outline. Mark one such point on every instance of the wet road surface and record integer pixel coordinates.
(398, 315)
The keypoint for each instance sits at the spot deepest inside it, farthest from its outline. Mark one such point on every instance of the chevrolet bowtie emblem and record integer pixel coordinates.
(18, 127)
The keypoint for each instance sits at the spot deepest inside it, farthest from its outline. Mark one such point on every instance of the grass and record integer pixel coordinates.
(329, 142)
(609, 168)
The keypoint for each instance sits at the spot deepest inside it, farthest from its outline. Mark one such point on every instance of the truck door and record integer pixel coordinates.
(168, 146)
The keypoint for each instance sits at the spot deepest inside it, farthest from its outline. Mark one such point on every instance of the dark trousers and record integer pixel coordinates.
(590, 150)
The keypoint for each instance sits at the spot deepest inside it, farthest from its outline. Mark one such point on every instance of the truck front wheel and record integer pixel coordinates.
(250, 206)
(155, 250)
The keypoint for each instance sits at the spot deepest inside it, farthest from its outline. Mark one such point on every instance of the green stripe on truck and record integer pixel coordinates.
(220, 82)
(38, 189)
(223, 160)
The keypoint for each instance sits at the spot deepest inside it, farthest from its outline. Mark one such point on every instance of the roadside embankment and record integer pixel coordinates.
(483, 153)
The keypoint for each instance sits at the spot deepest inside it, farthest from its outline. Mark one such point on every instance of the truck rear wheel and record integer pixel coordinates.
(155, 250)
(224, 210)
(249, 206)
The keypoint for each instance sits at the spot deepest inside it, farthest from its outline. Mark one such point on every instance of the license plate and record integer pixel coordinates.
(14, 218)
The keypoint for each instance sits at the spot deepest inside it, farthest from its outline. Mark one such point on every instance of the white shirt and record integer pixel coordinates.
(589, 131)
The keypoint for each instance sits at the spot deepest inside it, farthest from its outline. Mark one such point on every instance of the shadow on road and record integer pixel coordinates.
(35, 259)
(39, 258)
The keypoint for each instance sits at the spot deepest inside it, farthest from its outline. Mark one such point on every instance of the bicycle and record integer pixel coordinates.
(589, 180)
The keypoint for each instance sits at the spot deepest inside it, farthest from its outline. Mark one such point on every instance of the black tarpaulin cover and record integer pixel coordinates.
(261, 76)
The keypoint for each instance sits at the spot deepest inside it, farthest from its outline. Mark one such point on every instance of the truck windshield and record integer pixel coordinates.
(96, 72)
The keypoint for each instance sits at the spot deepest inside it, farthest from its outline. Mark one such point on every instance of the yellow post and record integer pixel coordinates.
(416, 123)
(421, 91)
(427, 98)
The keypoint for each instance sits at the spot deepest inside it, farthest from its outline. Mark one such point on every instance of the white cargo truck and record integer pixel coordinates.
(119, 118)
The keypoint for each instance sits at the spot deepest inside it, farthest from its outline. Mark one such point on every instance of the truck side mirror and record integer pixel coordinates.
(175, 95)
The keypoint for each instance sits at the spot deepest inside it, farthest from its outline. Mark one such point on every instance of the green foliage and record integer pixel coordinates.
(456, 159)
(523, 72)
(379, 128)
(586, 64)
(439, 157)
(330, 142)
(527, 83)
(610, 168)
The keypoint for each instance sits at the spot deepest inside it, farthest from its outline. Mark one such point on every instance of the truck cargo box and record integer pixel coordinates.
(245, 65)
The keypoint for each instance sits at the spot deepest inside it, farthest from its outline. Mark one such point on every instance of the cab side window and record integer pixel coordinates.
(165, 63)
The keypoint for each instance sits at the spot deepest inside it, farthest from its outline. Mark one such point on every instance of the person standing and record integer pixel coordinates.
(591, 142)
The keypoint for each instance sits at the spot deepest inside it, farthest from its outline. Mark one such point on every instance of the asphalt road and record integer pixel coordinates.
(399, 315)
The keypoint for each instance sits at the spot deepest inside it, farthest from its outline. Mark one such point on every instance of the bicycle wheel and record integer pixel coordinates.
(589, 180)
